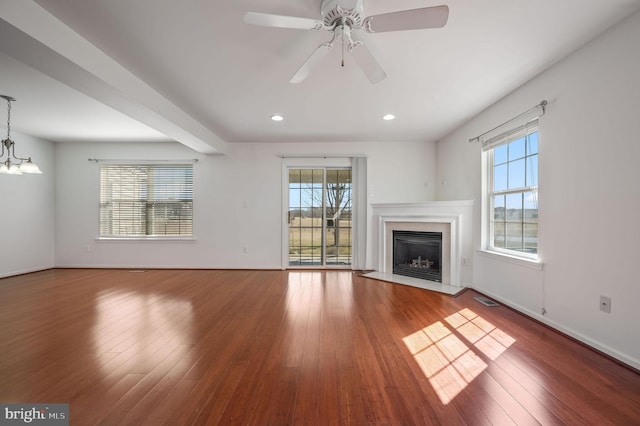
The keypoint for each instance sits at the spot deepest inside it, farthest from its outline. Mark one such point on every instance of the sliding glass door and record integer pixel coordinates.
(319, 217)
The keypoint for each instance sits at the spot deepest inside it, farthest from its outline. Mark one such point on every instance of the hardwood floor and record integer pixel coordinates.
(276, 347)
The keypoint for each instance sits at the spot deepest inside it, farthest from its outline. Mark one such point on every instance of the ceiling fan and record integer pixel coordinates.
(342, 17)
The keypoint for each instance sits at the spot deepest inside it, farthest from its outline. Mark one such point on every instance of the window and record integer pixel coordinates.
(146, 200)
(513, 193)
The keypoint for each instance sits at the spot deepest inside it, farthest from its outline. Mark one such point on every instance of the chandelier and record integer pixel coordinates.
(13, 165)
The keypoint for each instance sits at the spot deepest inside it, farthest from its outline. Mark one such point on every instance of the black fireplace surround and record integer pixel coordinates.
(418, 254)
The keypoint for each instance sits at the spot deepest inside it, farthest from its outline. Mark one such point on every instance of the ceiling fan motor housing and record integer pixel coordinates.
(339, 12)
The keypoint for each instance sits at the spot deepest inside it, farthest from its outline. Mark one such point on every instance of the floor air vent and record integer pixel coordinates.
(486, 302)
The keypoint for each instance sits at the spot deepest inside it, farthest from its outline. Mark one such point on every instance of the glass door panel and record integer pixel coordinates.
(305, 217)
(319, 217)
(338, 213)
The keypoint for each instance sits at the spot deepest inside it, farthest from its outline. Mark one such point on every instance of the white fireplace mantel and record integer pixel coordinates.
(453, 218)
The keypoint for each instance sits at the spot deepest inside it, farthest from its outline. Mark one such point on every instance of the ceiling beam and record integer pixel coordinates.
(41, 41)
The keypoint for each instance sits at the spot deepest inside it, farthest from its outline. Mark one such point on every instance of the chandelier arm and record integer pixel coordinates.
(13, 153)
(22, 160)
(11, 150)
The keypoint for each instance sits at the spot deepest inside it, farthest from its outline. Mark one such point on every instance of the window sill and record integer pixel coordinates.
(145, 239)
(520, 261)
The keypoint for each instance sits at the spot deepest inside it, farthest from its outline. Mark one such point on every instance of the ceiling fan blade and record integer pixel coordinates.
(367, 62)
(280, 21)
(311, 63)
(414, 19)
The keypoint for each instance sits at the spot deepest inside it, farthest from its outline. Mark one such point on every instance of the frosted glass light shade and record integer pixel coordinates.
(4, 169)
(29, 167)
(14, 170)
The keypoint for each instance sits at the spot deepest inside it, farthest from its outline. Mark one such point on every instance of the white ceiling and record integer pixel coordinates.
(191, 71)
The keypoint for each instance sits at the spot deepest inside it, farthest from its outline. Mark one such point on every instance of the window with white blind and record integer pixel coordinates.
(146, 200)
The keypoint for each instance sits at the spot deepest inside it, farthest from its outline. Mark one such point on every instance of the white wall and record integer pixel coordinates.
(222, 226)
(27, 212)
(589, 199)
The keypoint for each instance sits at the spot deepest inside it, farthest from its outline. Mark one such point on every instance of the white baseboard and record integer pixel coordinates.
(186, 267)
(25, 271)
(624, 358)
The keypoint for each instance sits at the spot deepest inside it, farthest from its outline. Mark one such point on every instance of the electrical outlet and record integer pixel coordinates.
(605, 304)
(245, 249)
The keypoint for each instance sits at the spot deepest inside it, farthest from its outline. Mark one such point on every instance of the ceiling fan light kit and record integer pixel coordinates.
(342, 20)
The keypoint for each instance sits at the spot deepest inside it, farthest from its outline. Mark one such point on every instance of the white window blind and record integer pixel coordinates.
(513, 129)
(509, 135)
(146, 200)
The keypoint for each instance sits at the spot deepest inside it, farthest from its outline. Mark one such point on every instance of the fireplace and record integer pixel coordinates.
(451, 219)
(418, 254)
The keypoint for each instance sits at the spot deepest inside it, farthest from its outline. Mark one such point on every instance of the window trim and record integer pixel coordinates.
(488, 249)
(535, 264)
(154, 238)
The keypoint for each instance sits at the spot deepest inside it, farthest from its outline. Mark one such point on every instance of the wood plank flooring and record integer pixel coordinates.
(182, 347)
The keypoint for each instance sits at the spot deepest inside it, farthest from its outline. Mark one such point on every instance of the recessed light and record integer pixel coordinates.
(277, 117)
(388, 117)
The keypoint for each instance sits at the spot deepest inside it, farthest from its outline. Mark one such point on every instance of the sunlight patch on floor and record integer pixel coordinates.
(449, 362)
(140, 328)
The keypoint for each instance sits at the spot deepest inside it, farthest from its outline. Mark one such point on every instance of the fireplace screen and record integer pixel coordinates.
(418, 254)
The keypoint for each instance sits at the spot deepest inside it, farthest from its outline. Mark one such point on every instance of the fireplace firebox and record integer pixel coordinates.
(418, 254)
